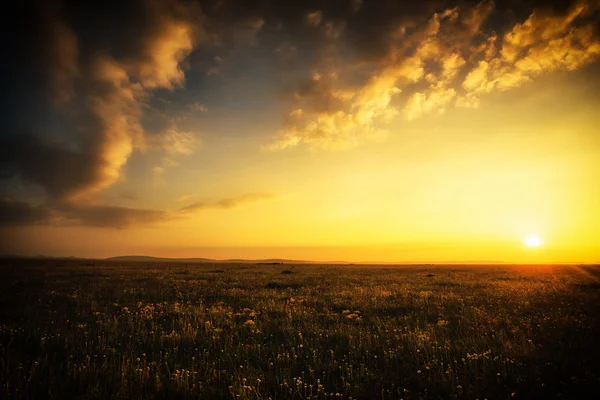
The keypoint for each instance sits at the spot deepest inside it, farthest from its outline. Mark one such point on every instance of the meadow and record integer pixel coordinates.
(245, 331)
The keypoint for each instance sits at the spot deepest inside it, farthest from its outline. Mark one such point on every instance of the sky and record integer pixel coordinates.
(342, 130)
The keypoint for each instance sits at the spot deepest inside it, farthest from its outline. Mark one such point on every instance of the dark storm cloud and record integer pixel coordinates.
(17, 213)
(57, 168)
(99, 65)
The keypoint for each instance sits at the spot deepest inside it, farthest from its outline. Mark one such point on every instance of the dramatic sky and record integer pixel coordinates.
(327, 130)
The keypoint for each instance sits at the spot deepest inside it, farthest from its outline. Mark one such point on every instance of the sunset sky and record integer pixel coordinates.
(351, 130)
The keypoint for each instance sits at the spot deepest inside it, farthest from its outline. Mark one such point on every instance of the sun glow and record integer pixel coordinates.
(533, 241)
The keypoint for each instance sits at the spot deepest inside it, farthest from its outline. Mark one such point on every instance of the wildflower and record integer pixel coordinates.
(249, 323)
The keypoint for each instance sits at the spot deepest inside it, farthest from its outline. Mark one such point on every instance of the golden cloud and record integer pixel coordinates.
(161, 68)
(457, 61)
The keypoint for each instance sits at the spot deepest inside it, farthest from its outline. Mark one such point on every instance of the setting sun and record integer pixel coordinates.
(533, 241)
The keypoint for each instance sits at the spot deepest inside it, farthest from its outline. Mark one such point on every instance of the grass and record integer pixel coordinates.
(322, 332)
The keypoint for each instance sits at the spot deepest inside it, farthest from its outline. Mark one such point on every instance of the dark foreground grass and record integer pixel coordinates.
(312, 332)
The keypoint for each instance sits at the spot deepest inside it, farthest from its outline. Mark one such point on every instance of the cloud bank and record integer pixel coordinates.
(345, 70)
(15, 213)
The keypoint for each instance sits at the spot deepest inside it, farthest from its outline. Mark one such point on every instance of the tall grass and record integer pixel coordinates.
(321, 332)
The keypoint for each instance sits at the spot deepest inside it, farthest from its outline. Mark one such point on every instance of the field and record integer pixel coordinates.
(245, 331)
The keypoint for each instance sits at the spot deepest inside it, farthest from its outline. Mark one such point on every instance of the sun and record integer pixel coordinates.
(533, 241)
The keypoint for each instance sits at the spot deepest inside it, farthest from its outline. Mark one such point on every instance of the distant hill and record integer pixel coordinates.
(156, 259)
(150, 259)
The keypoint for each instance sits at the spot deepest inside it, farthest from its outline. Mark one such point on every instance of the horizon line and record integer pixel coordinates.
(291, 261)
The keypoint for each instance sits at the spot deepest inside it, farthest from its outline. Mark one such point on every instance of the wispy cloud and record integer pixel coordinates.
(177, 142)
(227, 203)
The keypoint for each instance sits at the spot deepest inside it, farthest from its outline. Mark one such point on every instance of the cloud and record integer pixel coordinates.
(178, 142)
(16, 213)
(543, 43)
(175, 143)
(569, 52)
(434, 99)
(106, 140)
(112, 217)
(227, 203)
(64, 61)
(129, 195)
(314, 18)
(429, 63)
(160, 66)
(349, 69)
(57, 168)
(356, 5)
(334, 114)
(477, 77)
(108, 94)
(197, 107)
(538, 28)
